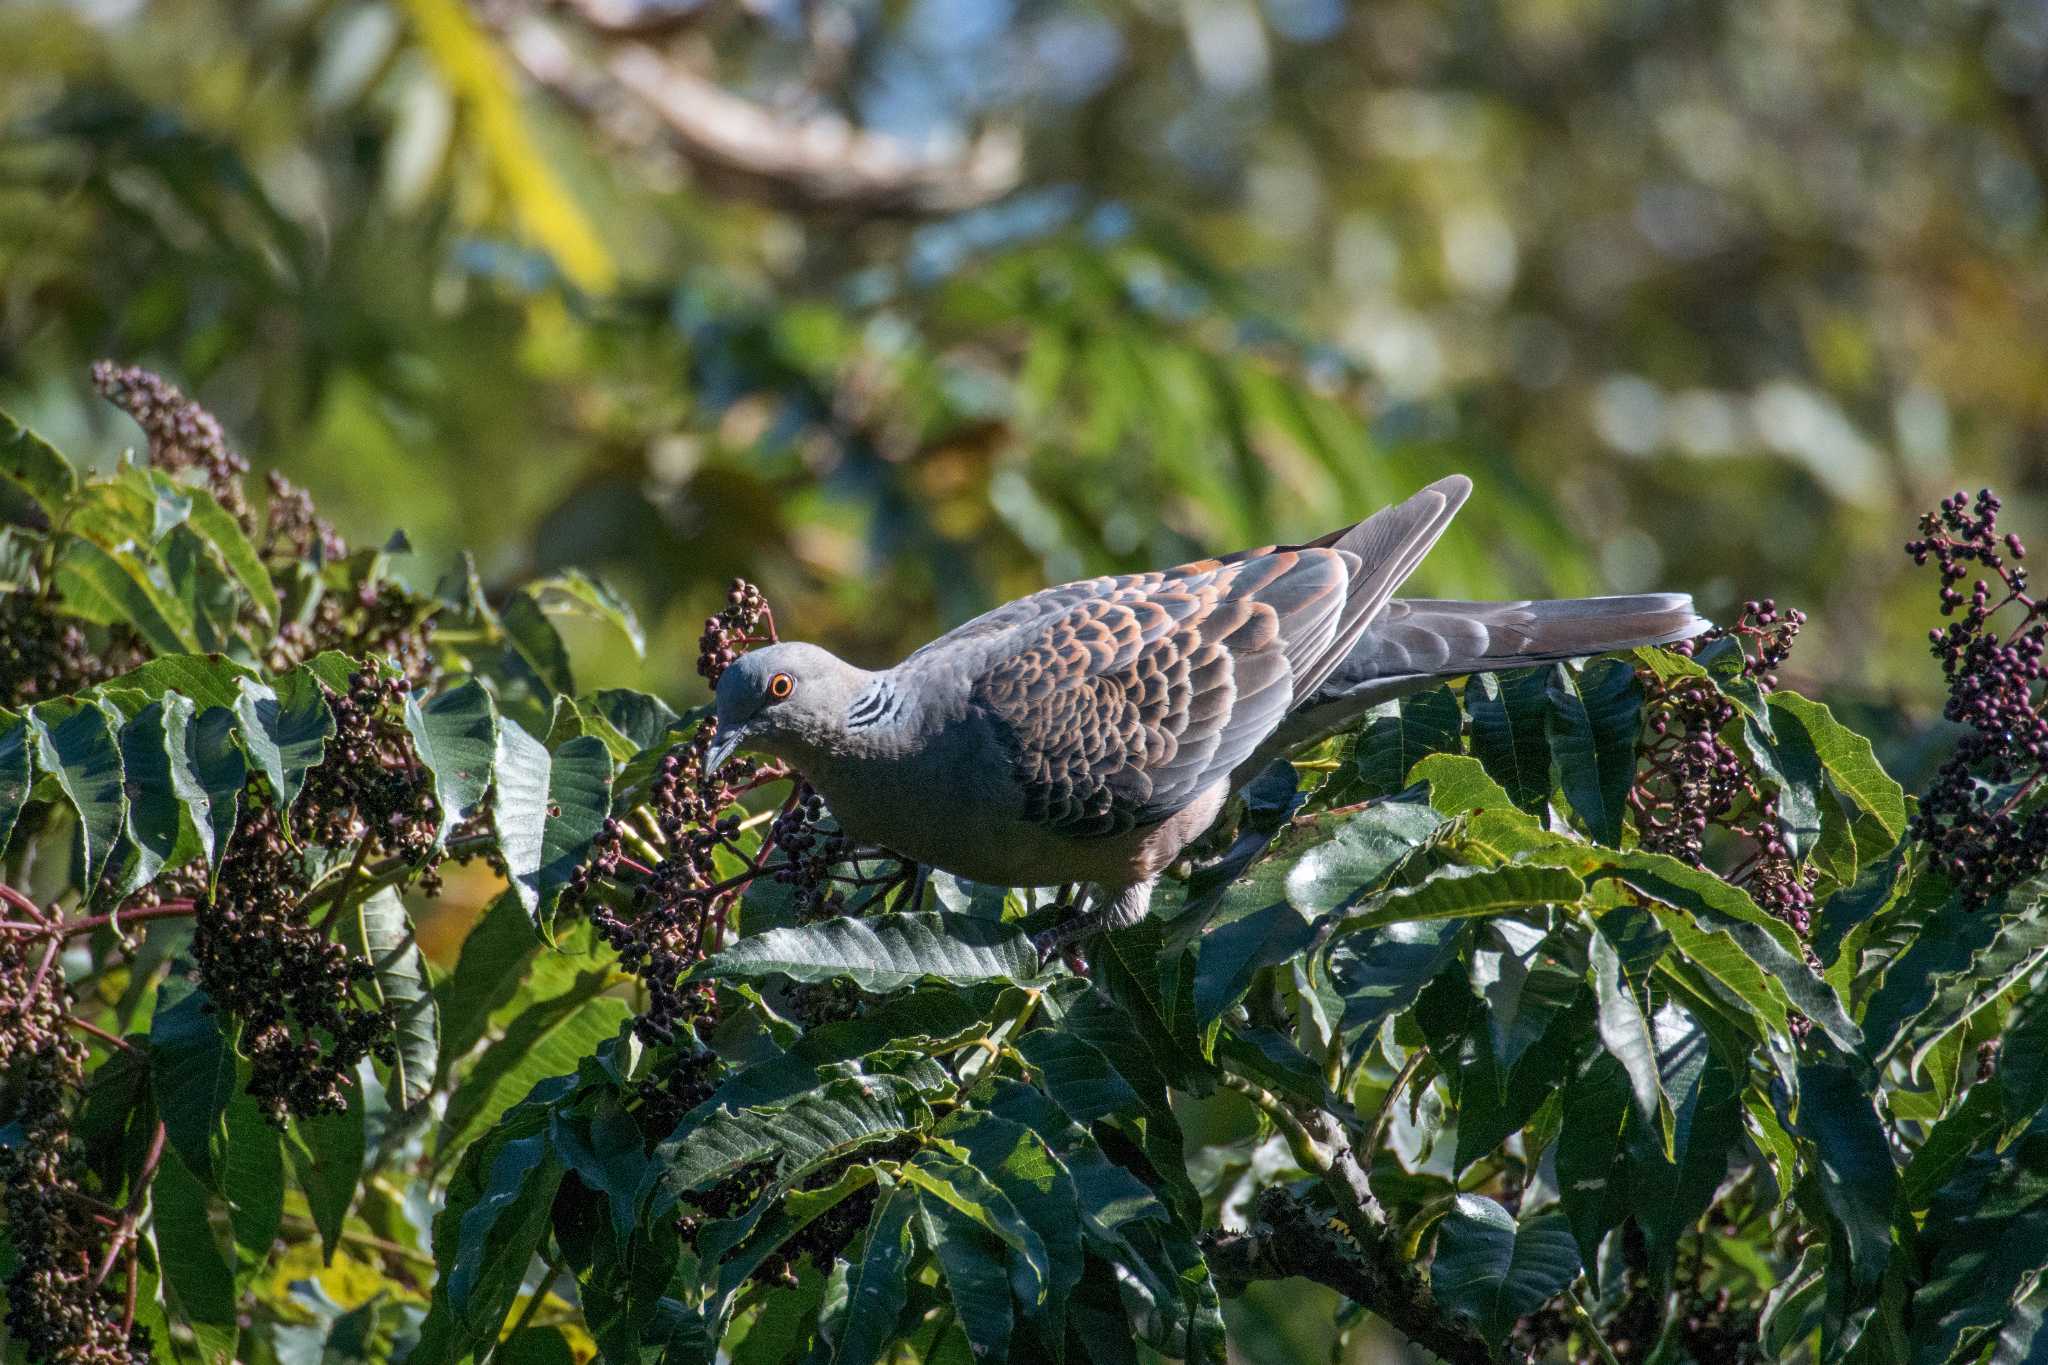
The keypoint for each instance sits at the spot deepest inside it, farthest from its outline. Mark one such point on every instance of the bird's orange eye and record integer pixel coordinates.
(780, 686)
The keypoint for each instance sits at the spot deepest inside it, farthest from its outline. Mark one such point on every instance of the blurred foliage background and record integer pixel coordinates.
(903, 307)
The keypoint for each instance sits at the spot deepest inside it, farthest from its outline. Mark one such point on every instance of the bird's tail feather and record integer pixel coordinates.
(1446, 638)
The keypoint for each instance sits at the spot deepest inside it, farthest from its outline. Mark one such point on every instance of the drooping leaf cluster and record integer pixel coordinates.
(1614, 1007)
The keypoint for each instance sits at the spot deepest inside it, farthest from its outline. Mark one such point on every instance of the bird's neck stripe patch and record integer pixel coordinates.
(878, 705)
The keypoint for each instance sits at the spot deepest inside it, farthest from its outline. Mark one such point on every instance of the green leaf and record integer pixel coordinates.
(1462, 892)
(75, 743)
(1668, 1194)
(1380, 972)
(834, 1119)
(968, 1192)
(878, 1283)
(546, 1039)
(1625, 1033)
(604, 1149)
(285, 729)
(1509, 719)
(975, 1277)
(548, 809)
(1766, 941)
(1851, 765)
(1592, 1177)
(1857, 1178)
(497, 1231)
(456, 735)
(207, 772)
(1022, 1166)
(326, 1152)
(1458, 784)
(1594, 722)
(1400, 734)
(34, 463)
(252, 1179)
(1985, 1236)
(198, 1284)
(115, 588)
(1949, 1142)
(885, 953)
(593, 596)
(15, 771)
(192, 1072)
(210, 680)
(154, 809)
(383, 934)
(533, 639)
(1231, 954)
(193, 1077)
(1490, 1271)
(220, 530)
(2011, 958)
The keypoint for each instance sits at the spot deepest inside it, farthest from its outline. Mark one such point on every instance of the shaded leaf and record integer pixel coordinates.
(877, 1285)
(1593, 724)
(548, 1038)
(75, 743)
(1509, 731)
(192, 1072)
(199, 1287)
(1398, 735)
(1490, 1271)
(326, 1152)
(15, 770)
(207, 771)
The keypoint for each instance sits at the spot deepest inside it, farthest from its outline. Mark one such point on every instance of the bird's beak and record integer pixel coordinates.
(723, 745)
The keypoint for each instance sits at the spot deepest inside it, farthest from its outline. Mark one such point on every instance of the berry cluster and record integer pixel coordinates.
(371, 787)
(669, 915)
(61, 1302)
(43, 654)
(292, 530)
(1693, 780)
(743, 622)
(262, 961)
(676, 908)
(812, 847)
(182, 435)
(1978, 821)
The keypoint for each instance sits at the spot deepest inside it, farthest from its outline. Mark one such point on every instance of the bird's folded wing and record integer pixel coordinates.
(1120, 703)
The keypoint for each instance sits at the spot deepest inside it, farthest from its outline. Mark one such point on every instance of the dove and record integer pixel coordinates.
(1089, 732)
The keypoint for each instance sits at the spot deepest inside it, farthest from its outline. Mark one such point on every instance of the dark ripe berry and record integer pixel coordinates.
(1976, 820)
(1691, 780)
(44, 654)
(55, 1312)
(663, 917)
(735, 627)
(262, 960)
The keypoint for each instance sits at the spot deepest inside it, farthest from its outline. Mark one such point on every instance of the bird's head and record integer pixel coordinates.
(788, 700)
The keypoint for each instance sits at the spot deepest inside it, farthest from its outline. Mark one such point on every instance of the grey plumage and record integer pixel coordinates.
(1088, 732)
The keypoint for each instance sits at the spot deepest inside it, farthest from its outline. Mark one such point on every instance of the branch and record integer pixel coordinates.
(814, 162)
(1287, 1239)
